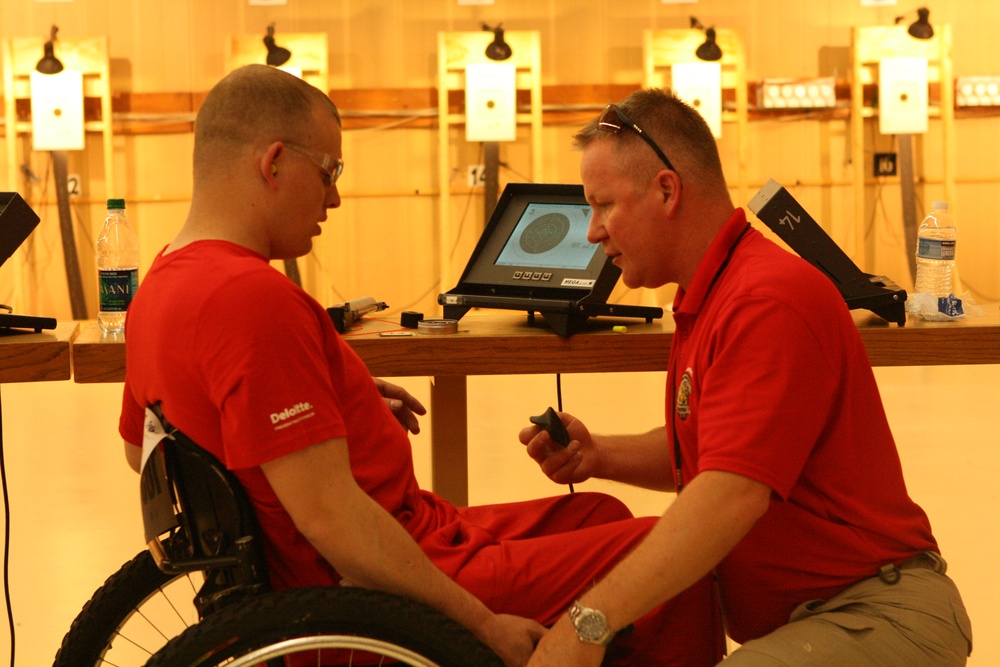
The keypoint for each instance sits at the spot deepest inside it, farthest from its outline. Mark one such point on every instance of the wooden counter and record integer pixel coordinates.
(500, 343)
(36, 357)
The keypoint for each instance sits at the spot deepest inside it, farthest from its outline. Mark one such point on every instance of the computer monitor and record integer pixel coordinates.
(17, 221)
(776, 207)
(534, 256)
(536, 243)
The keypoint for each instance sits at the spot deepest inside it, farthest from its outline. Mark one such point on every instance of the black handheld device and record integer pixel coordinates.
(550, 421)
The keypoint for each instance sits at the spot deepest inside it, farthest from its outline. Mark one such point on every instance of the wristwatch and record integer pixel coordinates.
(591, 625)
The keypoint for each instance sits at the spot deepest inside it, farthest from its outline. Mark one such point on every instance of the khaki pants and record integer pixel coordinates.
(920, 620)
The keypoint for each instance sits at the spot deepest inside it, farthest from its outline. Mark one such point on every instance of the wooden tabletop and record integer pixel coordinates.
(502, 343)
(36, 357)
(967, 340)
(505, 344)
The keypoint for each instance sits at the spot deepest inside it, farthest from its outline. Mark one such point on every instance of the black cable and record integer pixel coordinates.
(559, 391)
(468, 203)
(870, 224)
(559, 408)
(411, 304)
(526, 179)
(6, 544)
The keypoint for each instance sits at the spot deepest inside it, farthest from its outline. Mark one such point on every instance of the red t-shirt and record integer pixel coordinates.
(251, 368)
(769, 379)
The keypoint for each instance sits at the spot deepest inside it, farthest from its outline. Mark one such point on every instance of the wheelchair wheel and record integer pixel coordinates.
(130, 617)
(326, 626)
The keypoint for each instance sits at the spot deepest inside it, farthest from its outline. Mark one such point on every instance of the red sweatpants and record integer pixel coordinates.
(533, 558)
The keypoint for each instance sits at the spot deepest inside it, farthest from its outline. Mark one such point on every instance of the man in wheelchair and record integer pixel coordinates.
(251, 368)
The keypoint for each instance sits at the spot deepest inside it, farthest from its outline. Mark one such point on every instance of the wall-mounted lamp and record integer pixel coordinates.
(276, 55)
(49, 64)
(921, 28)
(708, 50)
(498, 49)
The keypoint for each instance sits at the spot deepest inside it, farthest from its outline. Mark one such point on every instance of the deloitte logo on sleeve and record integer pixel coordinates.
(292, 415)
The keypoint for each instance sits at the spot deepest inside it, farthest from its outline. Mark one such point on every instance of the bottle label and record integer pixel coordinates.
(116, 287)
(951, 306)
(936, 249)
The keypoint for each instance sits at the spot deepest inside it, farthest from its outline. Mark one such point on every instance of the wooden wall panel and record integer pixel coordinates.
(165, 55)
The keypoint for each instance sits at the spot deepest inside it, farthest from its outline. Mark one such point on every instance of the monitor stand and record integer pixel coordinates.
(785, 216)
(567, 323)
(10, 323)
(571, 317)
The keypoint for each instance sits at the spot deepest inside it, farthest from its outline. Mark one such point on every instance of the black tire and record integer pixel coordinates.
(372, 622)
(130, 617)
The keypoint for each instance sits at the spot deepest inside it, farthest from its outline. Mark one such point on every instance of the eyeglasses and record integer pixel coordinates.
(332, 167)
(614, 119)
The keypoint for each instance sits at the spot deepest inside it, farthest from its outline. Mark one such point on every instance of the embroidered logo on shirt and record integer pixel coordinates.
(684, 395)
(292, 415)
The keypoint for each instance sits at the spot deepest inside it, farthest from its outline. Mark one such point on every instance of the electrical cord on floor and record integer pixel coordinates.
(6, 544)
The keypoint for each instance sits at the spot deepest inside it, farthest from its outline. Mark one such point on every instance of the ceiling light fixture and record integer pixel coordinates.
(921, 28)
(498, 49)
(708, 50)
(276, 55)
(49, 64)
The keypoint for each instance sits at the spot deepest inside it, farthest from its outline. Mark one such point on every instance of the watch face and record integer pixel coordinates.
(591, 625)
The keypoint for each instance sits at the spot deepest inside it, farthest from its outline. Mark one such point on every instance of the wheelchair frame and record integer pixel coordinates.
(199, 521)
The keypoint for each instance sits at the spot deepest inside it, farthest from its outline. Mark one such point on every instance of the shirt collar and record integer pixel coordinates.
(689, 301)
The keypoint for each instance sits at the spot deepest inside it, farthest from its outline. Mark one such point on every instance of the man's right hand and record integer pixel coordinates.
(563, 465)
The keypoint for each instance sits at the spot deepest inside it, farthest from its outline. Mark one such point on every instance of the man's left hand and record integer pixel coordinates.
(561, 647)
(403, 404)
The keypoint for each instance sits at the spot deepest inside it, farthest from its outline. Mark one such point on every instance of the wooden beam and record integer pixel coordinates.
(173, 112)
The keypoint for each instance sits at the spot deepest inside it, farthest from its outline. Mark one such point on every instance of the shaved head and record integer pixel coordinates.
(251, 107)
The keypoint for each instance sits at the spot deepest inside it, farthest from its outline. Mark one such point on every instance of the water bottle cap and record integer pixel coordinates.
(116, 204)
(942, 205)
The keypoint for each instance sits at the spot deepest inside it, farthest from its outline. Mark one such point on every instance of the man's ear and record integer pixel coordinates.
(267, 164)
(670, 188)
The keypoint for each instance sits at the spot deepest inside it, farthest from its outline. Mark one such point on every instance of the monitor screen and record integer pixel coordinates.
(550, 236)
(536, 240)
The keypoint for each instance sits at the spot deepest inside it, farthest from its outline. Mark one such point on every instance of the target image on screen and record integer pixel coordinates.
(549, 236)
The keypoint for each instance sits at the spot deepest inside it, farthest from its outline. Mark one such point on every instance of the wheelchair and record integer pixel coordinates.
(200, 594)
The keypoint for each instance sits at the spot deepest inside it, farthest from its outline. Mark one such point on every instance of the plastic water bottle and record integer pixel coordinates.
(936, 258)
(935, 251)
(117, 268)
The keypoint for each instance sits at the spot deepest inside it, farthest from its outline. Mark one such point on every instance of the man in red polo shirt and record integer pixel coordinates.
(789, 484)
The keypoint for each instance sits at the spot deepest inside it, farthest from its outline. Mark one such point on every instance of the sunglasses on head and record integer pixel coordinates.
(613, 120)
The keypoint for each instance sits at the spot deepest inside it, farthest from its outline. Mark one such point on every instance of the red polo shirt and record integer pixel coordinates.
(769, 379)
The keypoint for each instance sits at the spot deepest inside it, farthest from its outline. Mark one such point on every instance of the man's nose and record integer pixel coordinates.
(595, 230)
(333, 197)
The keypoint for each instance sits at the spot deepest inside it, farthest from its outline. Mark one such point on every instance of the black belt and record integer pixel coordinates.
(925, 560)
